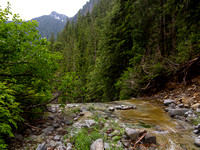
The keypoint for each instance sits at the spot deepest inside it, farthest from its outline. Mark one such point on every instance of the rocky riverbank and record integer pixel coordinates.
(134, 124)
(63, 124)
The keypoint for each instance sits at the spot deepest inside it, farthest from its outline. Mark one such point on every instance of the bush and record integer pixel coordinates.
(27, 69)
(83, 139)
(9, 113)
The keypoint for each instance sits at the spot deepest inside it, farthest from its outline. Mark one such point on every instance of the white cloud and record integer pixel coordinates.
(28, 9)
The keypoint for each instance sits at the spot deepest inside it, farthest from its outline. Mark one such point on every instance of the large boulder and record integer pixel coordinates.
(177, 112)
(133, 134)
(97, 145)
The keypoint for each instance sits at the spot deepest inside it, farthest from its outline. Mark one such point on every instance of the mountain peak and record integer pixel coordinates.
(58, 16)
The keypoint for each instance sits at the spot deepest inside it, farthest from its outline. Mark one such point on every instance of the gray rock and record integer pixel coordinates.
(69, 148)
(134, 107)
(84, 126)
(75, 119)
(180, 105)
(195, 106)
(166, 109)
(106, 145)
(53, 110)
(52, 143)
(41, 146)
(179, 118)
(177, 112)
(69, 123)
(97, 145)
(196, 131)
(56, 125)
(119, 107)
(196, 127)
(111, 108)
(59, 143)
(72, 105)
(132, 133)
(81, 114)
(197, 141)
(18, 137)
(198, 110)
(172, 106)
(128, 107)
(48, 129)
(168, 101)
(61, 147)
(57, 137)
(69, 145)
(150, 139)
(90, 123)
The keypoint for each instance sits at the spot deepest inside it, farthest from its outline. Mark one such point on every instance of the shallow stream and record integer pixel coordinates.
(171, 134)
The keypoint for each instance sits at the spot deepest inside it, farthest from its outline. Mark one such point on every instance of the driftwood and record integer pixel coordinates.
(187, 68)
(144, 134)
(27, 124)
(181, 72)
(33, 106)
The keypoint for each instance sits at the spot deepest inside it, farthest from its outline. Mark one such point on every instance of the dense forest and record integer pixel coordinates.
(124, 48)
(119, 49)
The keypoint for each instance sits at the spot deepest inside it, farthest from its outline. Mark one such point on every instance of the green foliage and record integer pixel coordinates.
(27, 69)
(126, 85)
(122, 47)
(71, 88)
(83, 139)
(9, 113)
(116, 138)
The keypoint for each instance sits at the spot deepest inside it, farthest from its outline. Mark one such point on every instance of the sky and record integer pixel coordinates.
(28, 9)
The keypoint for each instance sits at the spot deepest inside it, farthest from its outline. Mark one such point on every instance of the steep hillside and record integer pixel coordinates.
(53, 23)
(126, 48)
(86, 8)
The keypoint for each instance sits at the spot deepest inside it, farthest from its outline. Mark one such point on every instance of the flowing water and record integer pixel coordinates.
(150, 115)
(171, 134)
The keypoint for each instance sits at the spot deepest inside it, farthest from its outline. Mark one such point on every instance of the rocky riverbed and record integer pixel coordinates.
(132, 124)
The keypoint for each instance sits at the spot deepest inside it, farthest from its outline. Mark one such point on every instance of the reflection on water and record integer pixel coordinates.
(151, 113)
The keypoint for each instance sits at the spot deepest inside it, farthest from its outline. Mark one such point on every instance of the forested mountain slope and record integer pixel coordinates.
(123, 48)
(54, 23)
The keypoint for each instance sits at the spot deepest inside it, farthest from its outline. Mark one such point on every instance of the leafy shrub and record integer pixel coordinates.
(27, 69)
(83, 139)
(9, 113)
